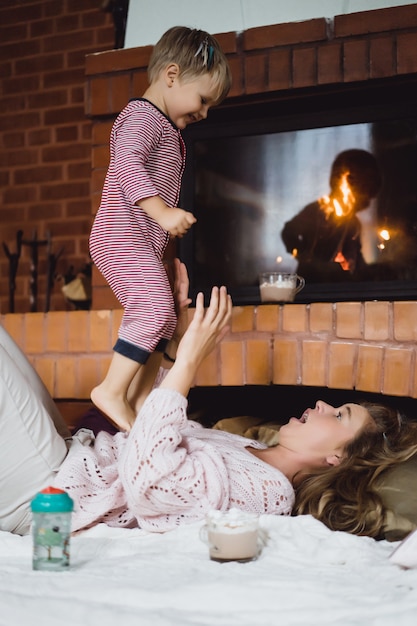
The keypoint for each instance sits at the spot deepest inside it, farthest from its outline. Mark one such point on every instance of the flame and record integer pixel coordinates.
(384, 234)
(332, 206)
(344, 263)
(348, 197)
(339, 207)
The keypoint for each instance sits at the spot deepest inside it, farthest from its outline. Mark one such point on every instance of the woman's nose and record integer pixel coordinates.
(323, 406)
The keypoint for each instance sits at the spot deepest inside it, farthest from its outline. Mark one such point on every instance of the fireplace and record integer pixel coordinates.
(255, 163)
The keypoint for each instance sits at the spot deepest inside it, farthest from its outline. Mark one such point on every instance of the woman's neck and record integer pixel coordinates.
(285, 460)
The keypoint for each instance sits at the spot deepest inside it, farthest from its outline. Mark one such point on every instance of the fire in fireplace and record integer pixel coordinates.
(255, 168)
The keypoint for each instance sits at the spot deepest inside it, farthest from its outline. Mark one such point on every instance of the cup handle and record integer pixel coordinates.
(204, 535)
(301, 282)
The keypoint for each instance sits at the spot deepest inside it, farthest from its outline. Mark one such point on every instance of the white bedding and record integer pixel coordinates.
(307, 575)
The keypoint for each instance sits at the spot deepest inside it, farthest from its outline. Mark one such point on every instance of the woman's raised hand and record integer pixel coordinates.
(181, 299)
(206, 329)
(208, 326)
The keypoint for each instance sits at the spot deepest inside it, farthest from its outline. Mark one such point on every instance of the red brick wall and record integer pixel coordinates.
(45, 135)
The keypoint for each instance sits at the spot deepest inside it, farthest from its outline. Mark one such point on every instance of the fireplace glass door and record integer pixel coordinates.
(330, 195)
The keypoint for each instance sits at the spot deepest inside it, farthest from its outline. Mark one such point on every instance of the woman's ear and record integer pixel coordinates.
(171, 73)
(333, 460)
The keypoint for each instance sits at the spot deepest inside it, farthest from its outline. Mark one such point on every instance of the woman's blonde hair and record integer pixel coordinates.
(345, 497)
(196, 53)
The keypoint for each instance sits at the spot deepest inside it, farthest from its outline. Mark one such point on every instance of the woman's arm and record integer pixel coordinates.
(165, 481)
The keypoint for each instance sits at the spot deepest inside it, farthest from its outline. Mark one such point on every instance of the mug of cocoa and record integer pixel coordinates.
(279, 287)
(232, 535)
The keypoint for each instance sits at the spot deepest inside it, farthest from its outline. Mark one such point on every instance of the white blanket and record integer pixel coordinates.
(307, 575)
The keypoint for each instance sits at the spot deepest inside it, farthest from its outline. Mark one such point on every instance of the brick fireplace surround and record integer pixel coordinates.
(367, 346)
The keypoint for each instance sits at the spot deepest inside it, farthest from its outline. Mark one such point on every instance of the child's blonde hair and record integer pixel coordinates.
(196, 53)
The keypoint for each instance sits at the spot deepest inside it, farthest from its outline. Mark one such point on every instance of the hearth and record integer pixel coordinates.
(256, 162)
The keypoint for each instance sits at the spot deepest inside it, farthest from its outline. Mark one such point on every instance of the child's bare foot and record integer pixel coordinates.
(115, 408)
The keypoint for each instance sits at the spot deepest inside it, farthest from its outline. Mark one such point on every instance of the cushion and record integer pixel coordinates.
(397, 486)
(32, 448)
(398, 490)
(251, 427)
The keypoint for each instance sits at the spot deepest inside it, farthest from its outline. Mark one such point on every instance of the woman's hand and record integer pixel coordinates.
(182, 302)
(206, 330)
(181, 299)
(208, 327)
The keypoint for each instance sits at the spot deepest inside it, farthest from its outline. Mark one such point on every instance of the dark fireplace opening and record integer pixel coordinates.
(255, 165)
(277, 403)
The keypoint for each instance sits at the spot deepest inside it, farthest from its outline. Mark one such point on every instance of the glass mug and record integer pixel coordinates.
(279, 287)
(232, 536)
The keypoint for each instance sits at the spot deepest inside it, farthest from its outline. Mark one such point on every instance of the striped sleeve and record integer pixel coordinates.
(135, 138)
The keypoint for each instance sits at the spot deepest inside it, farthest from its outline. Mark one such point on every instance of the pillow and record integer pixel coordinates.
(32, 450)
(251, 427)
(397, 487)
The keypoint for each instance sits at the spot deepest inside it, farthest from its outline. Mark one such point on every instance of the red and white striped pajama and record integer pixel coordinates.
(147, 158)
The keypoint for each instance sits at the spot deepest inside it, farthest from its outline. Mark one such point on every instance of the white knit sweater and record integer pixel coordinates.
(167, 471)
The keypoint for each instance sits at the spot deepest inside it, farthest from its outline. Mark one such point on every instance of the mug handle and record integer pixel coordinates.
(301, 282)
(203, 534)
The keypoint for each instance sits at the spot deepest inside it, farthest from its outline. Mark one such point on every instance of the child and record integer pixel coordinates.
(188, 73)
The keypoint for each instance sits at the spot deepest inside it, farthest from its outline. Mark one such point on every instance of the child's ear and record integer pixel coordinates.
(171, 73)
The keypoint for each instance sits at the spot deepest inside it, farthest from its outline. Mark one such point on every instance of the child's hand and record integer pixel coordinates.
(176, 221)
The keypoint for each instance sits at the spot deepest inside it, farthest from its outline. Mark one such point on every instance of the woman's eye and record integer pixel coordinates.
(203, 101)
(339, 415)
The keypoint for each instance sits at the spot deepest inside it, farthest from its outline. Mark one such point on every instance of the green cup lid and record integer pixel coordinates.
(52, 500)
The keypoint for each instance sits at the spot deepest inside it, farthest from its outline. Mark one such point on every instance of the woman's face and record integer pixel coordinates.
(322, 433)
